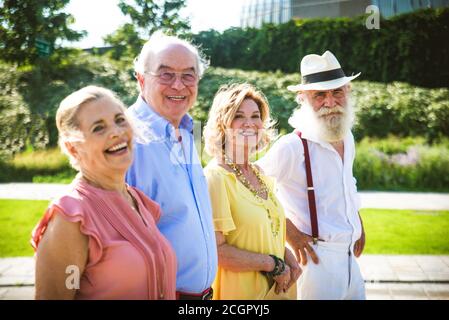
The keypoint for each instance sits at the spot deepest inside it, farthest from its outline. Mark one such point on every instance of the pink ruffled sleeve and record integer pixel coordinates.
(71, 209)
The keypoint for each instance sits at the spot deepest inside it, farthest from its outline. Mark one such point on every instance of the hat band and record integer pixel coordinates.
(323, 76)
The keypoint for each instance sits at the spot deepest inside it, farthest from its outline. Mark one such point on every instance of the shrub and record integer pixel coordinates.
(37, 166)
(402, 164)
(400, 109)
(395, 164)
(382, 109)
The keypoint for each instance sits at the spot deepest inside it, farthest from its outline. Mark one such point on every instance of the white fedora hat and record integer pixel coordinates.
(321, 73)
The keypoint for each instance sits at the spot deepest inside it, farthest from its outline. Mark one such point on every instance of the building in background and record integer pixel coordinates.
(256, 12)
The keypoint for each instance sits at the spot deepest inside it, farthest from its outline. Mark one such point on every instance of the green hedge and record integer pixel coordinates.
(410, 48)
(29, 98)
(400, 109)
(382, 109)
(402, 164)
(399, 164)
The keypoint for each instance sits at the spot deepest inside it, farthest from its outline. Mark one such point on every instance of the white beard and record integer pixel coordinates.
(331, 128)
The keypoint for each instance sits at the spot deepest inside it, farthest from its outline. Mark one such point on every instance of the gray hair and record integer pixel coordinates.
(66, 116)
(159, 40)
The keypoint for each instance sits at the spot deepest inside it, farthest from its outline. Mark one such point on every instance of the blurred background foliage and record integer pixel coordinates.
(402, 98)
(28, 107)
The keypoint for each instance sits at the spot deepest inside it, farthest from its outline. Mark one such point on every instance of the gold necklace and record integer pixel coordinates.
(257, 193)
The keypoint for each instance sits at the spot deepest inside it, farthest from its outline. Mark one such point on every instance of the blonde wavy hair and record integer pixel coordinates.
(227, 101)
(66, 116)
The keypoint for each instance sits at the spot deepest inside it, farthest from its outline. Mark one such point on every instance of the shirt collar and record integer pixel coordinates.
(160, 127)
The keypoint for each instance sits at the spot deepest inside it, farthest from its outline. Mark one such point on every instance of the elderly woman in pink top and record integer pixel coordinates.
(100, 240)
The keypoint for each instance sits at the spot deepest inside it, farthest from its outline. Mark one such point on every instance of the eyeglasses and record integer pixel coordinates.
(188, 78)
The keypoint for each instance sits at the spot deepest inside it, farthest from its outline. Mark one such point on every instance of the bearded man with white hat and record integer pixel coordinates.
(315, 183)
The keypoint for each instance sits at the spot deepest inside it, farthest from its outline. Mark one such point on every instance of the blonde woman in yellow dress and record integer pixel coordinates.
(253, 262)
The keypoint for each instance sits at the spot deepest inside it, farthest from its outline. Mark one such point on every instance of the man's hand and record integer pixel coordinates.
(295, 269)
(299, 241)
(359, 245)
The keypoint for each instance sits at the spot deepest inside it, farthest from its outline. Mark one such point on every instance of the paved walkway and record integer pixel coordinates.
(405, 200)
(387, 277)
(31, 191)
(370, 199)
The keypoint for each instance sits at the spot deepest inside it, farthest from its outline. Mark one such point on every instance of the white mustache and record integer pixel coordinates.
(324, 111)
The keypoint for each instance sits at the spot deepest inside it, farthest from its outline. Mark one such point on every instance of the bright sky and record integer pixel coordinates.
(101, 17)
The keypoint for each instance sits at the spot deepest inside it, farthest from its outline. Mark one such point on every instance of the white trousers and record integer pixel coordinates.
(337, 276)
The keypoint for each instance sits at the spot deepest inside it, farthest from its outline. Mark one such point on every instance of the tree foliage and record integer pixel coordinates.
(24, 22)
(125, 40)
(147, 16)
(30, 96)
(18, 126)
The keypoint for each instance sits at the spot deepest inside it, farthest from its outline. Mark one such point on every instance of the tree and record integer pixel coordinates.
(31, 28)
(147, 16)
(152, 15)
(125, 40)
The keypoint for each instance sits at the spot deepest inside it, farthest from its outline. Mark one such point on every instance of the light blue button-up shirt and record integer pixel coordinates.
(169, 172)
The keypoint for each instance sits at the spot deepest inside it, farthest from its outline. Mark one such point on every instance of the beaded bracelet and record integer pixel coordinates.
(279, 267)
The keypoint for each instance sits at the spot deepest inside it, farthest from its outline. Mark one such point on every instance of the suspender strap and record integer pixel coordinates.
(310, 190)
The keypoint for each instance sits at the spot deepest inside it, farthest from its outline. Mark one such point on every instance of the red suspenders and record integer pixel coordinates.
(310, 190)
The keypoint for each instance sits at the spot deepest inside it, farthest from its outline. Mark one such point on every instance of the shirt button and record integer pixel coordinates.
(161, 296)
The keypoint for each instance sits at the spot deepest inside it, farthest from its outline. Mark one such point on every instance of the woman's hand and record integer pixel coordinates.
(282, 280)
(295, 269)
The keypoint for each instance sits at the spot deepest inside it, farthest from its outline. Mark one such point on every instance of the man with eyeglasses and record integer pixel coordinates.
(166, 166)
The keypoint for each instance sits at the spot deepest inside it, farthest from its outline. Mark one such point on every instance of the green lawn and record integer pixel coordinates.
(17, 220)
(387, 231)
(406, 231)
